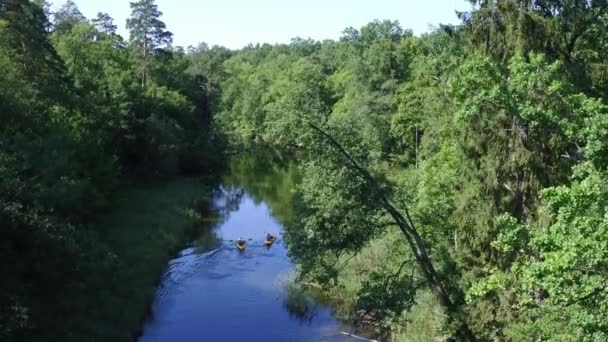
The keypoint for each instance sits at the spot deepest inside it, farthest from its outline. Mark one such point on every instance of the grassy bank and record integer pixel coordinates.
(145, 227)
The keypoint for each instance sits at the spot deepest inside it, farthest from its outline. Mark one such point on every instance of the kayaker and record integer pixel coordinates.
(240, 244)
(269, 237)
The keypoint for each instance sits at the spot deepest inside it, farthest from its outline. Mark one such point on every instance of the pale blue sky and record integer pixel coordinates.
(236, 23)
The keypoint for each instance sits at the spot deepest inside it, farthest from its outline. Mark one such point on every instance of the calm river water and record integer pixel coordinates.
(214, 292)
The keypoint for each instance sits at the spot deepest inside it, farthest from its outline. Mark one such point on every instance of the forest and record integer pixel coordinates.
(454, 184)
(85, 114)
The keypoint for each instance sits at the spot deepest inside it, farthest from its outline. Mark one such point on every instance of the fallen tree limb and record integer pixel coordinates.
(356, 337)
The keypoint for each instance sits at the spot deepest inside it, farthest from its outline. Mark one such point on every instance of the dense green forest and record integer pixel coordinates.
(84, 114)
(453, 184)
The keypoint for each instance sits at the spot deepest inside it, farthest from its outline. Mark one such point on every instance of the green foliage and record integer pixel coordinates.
(75, 125)
(478, 129)
(424, 322)
(67, 17)
(492, 133)
(567, 271)
(148, 32)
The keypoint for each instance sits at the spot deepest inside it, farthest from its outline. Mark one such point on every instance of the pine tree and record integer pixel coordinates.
(67, 17)
(105, 23)
(148, 32)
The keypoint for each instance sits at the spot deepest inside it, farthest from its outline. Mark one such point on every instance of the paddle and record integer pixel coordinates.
(249, 239)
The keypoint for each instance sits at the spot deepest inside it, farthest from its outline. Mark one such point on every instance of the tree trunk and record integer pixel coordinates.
(145, 62)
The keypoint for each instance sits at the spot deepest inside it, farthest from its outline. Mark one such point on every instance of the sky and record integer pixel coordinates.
(236, 23)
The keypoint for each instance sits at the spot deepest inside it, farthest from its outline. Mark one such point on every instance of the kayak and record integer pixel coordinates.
(270, 241)
(240, 247)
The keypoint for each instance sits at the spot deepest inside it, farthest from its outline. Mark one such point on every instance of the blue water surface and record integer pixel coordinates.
(222, 294)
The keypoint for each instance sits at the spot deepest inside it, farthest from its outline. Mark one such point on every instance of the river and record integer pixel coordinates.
(214, 292)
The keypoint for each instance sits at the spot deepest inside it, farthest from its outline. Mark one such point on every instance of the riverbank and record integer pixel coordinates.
(145, 227)
(355, 302)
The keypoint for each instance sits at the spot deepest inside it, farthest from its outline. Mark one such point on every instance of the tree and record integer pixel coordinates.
(572, 31)
(558, 278)
(376, 195)
(24, 44)
(104, 23)
(68, 16)
(46, 8)
(148, 32)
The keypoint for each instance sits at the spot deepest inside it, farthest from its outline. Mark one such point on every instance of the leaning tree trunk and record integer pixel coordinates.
(410, 233)
(144, 62)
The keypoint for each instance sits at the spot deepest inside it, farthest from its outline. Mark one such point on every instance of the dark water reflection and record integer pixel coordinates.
(213, 292)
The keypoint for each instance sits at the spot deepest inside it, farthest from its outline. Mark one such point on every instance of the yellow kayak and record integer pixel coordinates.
(239, 246)
(270, 240)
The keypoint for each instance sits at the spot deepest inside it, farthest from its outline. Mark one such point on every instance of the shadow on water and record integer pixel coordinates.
(299, 303)
(214, 292)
